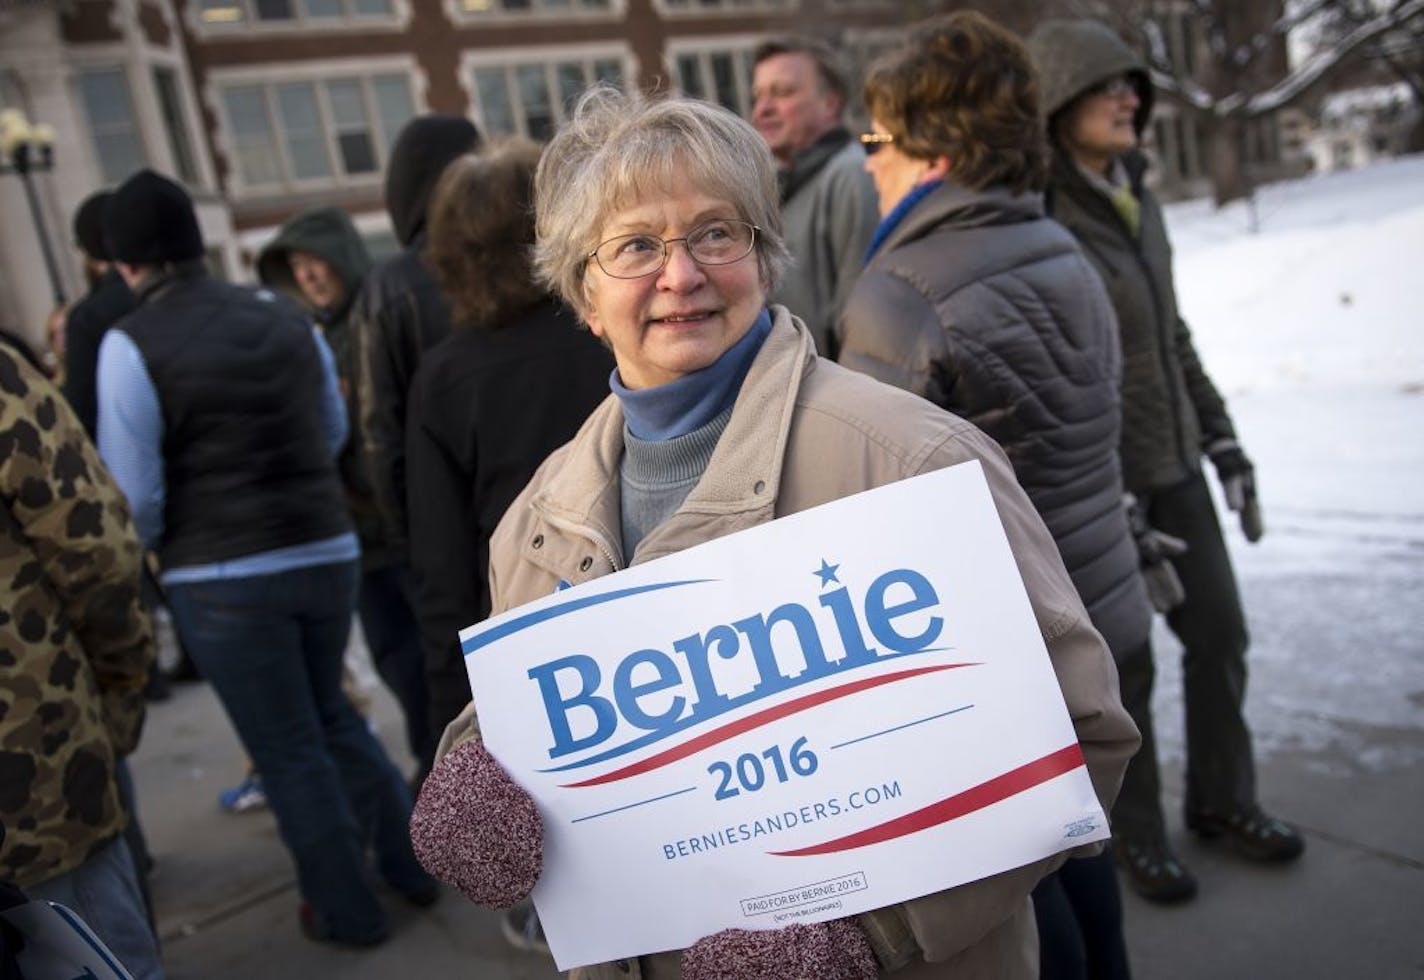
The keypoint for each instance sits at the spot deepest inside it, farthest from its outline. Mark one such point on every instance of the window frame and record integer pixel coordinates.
(135, 124)
(455, 10)
(739, 46)
(698, 9)
(269, 79)
(250, 27)
(185, 134)
(550, 58)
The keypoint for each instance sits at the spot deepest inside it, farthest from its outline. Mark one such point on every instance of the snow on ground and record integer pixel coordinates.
(1313, 329)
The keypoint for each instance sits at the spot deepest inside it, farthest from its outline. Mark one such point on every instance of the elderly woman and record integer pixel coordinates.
(657, 222)
(975, 300)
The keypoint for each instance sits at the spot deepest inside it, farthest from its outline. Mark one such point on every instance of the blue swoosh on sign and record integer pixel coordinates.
(518, 623)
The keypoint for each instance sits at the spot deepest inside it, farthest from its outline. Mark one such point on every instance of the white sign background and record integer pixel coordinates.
(959, 759)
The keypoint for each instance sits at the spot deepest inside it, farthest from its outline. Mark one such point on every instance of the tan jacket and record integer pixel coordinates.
(803, 432)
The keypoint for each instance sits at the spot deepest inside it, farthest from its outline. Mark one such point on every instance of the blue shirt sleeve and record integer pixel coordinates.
(131, 432)
(333, 406)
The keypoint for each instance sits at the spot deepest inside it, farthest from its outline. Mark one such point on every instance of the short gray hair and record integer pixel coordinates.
(616, 146)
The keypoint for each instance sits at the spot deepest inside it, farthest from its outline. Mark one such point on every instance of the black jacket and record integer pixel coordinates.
(1171, 411)
(401, 312)
(487, 406)
(239, 381)
(980, 304)
(330, 234)
(89, 319)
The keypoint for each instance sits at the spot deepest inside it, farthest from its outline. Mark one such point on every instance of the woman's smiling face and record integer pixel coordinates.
(683, 317)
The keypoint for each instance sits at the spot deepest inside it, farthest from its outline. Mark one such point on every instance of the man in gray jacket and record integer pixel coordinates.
(828, 202)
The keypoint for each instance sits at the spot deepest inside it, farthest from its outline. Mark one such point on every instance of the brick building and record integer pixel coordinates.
(265, 107)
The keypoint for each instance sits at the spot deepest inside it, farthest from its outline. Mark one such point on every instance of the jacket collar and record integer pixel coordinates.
(168, 277)
(952, 206)
(811, 161)
(738, 489)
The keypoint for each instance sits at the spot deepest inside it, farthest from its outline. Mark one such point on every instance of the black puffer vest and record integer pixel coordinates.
(239, 380)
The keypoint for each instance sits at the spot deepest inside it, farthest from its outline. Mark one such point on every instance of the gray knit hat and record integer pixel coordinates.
(1072, 56)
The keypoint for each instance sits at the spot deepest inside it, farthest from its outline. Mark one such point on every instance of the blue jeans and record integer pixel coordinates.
(271, 646)
(387, 613)
(103, 891)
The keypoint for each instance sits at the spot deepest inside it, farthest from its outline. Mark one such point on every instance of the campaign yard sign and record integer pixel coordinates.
(831, 713)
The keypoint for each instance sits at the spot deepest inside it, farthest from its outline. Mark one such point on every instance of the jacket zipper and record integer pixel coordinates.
(1172, 399)
(587, 533)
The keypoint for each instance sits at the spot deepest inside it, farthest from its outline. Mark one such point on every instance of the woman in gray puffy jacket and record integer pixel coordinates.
(973, 299)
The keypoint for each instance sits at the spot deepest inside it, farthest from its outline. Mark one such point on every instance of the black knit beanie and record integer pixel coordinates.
(89, 226)
(150, 220)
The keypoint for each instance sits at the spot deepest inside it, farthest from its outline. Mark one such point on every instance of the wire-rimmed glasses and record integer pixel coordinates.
(720, 241)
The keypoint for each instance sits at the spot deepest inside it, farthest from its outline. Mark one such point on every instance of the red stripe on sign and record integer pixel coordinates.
(750, 722)
(987, 793)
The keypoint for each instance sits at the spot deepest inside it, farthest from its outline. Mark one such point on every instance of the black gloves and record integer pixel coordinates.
(1154, 548)
(1238, 484)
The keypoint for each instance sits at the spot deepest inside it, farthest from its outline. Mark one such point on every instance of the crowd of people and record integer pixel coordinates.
(667, 325)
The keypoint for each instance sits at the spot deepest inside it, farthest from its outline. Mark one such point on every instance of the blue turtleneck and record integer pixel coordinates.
(671, 431)
(897, 214)
(690, 402)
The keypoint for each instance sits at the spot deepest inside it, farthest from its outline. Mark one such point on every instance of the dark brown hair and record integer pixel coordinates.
(964, 88)
(481, 222)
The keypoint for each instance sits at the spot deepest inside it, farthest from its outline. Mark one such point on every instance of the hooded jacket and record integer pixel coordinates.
(805, 431)
(401, 312)
(330, 234)
(75, 641)
(1170, 409)
(979, 303)
(327, 233)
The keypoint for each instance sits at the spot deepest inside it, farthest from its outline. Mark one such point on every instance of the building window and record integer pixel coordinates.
(531, 98)
(478, 7)
(714, 6)
(295, 132)
(117, 141)
(296, 12)
(175, 124)
(723, 77)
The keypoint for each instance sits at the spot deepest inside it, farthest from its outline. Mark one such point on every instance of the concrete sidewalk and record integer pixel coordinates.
(227, 901)
(1353, 907)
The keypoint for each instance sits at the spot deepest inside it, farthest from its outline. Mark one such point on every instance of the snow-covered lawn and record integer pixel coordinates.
(1313, 328)
(1328, 293)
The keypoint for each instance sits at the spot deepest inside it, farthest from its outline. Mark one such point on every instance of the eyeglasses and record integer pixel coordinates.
(1114, 88)
(872, 142)
(721, 241)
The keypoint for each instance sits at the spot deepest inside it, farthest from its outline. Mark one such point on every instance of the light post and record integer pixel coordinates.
(24, 150)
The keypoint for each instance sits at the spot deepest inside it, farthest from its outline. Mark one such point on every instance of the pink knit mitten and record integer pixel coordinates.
(475, 828)
(827, 951)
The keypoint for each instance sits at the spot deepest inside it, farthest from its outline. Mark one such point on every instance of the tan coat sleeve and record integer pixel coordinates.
(948, 923)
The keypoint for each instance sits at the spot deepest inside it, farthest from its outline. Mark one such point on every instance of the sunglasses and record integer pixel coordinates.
(872, 142)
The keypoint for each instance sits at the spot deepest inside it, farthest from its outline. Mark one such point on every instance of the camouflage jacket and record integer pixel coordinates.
(75, 642)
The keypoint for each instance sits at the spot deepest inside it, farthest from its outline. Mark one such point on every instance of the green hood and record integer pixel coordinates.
(1072, 56)
(325, 232)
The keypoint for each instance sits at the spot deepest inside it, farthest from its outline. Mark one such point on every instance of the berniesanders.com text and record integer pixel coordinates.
(749, 830)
